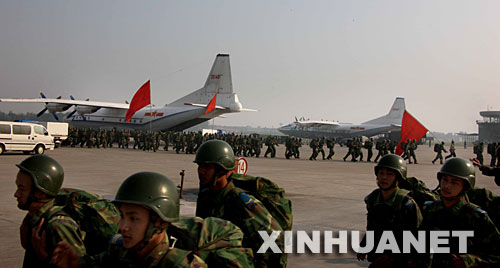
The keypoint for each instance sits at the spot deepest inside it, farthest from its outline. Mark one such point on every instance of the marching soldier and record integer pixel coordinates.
(330, 144)
(439, 148)
(369, 146)
(314, 146)
(350, 149)
(380, 148)
(412, 147)
(321, 143)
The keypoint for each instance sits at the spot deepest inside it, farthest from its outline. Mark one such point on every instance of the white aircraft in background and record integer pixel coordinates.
(178, 115)
(317, 129)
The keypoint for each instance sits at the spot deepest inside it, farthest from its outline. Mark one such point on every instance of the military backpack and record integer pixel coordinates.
(491, 149)
(437, 147)
(476, 149)
(96, 216)
(270, 194)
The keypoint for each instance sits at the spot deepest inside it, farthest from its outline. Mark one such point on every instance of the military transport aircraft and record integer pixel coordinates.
(317, 129)
(178, 115)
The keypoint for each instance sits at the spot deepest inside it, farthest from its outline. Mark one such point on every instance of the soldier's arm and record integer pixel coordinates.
(258, 218)
(413, 216)
(64, 228)
(486, 247)
(491, 171)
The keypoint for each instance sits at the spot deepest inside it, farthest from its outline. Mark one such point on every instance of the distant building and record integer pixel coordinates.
(489, 127)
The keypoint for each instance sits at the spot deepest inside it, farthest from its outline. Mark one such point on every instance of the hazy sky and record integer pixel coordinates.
(334, 60)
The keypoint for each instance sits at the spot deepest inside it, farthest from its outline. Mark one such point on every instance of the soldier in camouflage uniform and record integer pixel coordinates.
(369, 147)
(288, 147)
(390, 209)
(137, 142)
(492, 150)
(153, 235)
(271, 142)
(454, 212)
(412, 147)
(258, 146)
(219, 197)
(321, 144)
(379, 145)
(314, 146)
(478, 151)
(111, 137)
(297, 145)
(439, 152)
(330, 144)
(164, 137)
(350, 149)
(38, 181)
(357, 145)
(178, 142)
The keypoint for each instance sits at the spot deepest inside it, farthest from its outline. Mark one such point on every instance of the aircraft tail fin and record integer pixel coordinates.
(218, 82)
(395, 115)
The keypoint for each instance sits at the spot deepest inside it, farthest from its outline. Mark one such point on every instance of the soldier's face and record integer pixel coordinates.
(206, 173)
(24, 184)
(451, 186)
(385, 178)
(133, 224)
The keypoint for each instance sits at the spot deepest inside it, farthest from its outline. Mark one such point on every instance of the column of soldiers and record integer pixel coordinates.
(180, 142)
(383, 147)
(409, 147)
(243, 145)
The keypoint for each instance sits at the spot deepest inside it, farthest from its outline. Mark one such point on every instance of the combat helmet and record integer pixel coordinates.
(216, 152)
(460, 168)
(47, 173)
(393, 162)
(152, 190)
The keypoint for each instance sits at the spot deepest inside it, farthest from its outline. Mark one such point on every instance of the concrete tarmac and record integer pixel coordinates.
(326, 195)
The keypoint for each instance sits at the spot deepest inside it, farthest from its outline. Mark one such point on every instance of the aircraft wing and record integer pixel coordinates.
(316, 124)
(205, 105)
(218, 107)
(100, 104)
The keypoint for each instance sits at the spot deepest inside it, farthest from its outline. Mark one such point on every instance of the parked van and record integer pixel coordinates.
(25, 137)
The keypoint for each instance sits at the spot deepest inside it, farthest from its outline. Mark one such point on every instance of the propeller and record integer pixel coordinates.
(45, 109)
(74, 111)
(41, 112)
